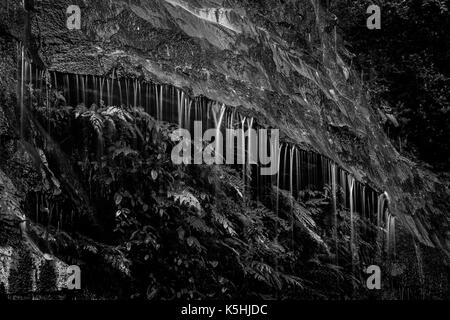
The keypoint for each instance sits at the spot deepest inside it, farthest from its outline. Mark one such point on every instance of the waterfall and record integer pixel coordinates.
(380, 207)
(278, 179)
(296, 165)
(160, 114)
(342, 184)
(335, 221)
(364, 213)
(218, 115)
(285, 166)
(29, 83)
(380, 230)
(66, 88)
(21, 88)
(180, 107)
(308, 170)
(242, 148)
(109, 85)
(351, 187)
(297, 169)
(363, 201)
(291, 165)
(390, 241)
(291, 169)
(252, 143)
(333, 187)
(252, 149)
(386, 223)
(119, 84)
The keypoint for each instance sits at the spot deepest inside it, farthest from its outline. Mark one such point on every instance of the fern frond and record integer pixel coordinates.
(224, 222)
(79, 110)
(185, 198)
(95, 120)
(120, 113)
(230, 179)
(264, 212)
(303, 215)
(125, 151)
(199, 224)
(293, 281)
(264, 273)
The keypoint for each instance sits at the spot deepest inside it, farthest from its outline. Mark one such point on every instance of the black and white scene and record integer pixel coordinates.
(224, 150)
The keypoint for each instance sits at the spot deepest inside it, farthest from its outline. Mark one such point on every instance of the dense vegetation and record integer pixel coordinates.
(406, 68)
(111, 199)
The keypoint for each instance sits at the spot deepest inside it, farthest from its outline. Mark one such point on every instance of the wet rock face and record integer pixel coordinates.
(279, 59)
(272, 57)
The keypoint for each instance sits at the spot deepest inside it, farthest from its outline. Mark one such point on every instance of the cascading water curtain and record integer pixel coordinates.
(298, 170)
(386, 226)
(30, 82)
(21, 82)
(353, 253)
(390, 241)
